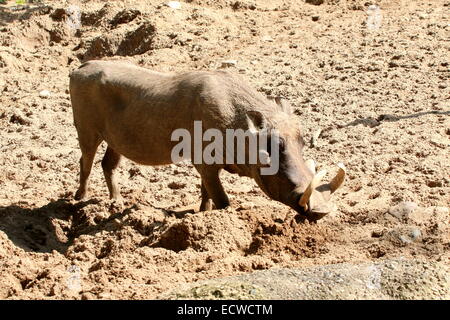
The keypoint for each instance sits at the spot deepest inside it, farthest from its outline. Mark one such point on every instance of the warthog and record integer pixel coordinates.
(136, 110)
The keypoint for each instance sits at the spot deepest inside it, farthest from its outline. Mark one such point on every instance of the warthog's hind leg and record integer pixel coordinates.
(88, 148)
(110, 162)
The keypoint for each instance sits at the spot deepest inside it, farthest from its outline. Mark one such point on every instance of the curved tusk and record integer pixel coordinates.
(311, 165)
(339, 178)
(311, 187)
(264, 157)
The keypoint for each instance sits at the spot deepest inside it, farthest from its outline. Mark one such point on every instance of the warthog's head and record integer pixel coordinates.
(296, 183)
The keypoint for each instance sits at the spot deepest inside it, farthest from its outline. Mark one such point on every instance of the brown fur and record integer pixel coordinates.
(135, 111)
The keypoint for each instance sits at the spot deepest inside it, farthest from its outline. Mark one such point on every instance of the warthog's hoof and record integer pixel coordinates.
(80, 195)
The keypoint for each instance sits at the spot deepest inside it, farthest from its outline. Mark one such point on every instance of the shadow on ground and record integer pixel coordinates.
(21, 12)
(51, 227)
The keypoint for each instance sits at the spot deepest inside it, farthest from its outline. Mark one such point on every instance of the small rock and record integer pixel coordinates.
(377, 233)
(403, 210)
(176, 185)
(393, 64)
(243, 5)
(422, 16)
(415, 233)
(315, 2)
(438, 142)
(134, 171)
(404, 239)
(315, 137)
(87, 296)
(434, 184)
(315, 18)
(404, 235)
(229, 63)
(246, 206)
(58, 14)
(174, 4)
(104, 295)
(17, 118)
(410, 235)
(44, 94)
(267, 39)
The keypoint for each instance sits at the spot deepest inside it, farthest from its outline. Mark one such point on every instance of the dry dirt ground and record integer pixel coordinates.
(375, 99)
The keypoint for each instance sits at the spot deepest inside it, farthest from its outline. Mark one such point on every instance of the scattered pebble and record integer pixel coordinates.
(404, 235)
(19, 119)
(315, 18)
(422, 16)
(315, 138)
(44, 94)
(246, 206)
(174, 4)
(402, 210)
(377, 233)
(176, 185)
(415, 233)
(87, 296)
(267, 39)
(315, 2)
(229, 63)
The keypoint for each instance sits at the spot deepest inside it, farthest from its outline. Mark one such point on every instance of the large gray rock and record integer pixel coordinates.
(388, 279)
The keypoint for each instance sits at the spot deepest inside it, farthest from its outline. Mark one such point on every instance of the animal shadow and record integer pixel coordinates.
(53, 226)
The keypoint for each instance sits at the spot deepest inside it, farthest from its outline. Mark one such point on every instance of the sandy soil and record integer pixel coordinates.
(378, 100)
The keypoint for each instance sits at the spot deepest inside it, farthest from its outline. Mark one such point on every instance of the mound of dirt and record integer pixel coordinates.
(272, 238)
(137, 41)
(124, 16)
(96, 17)
(134, 42)
(216, 231)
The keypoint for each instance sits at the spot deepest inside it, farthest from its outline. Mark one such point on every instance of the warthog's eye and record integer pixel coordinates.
(281, 145)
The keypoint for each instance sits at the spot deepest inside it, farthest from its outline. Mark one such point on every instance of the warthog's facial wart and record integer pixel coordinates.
(297, 184)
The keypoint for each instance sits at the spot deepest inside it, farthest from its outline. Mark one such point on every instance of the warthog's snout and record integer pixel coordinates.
(314, 202)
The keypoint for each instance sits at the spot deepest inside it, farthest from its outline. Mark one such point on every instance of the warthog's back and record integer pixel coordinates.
(135, 110)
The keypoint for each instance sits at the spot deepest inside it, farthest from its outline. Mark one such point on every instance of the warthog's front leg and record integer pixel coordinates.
(206, 204)
(212, 188)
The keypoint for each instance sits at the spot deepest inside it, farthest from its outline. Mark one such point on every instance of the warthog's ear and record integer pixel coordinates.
(255, 121)
(282, 103)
